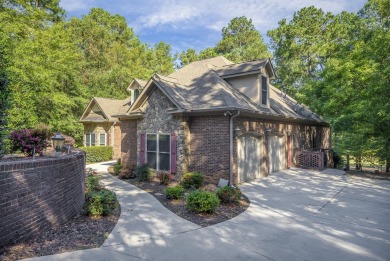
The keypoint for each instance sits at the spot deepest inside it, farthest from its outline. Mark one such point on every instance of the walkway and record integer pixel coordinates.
(294, 215)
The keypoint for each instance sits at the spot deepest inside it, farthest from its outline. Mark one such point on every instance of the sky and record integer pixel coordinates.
(198, 24)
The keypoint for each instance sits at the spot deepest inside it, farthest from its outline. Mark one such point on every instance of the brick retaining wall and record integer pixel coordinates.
(39, 194)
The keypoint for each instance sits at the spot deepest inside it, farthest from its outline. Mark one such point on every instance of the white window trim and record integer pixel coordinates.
(261, 90)
(158, 149)
(105, 139)
(90, 139)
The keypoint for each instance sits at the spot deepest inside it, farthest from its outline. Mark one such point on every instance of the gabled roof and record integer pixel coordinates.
(201, 86)
(108, 107)
(139, 82)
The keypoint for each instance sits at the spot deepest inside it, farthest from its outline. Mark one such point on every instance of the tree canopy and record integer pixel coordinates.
(240, 42)
(339, 65)
(55, 66)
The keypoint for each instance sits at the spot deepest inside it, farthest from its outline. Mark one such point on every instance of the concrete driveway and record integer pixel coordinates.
(294, 215)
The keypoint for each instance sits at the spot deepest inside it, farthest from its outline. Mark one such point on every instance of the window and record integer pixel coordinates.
(264, 90)
(158, 151)
(136, 94)
(102, 139)
(90, 139)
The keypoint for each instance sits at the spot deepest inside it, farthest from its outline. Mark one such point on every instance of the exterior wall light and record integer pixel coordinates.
(58, 141)
(237, 132)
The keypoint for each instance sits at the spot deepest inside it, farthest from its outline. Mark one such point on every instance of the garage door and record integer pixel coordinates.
(277, 152)
(249, 154)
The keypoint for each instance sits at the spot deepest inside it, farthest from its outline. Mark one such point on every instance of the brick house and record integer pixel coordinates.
(223, 119)
(100, 128)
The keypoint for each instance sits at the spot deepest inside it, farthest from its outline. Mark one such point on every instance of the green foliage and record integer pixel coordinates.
(202, 201)
(144, 172)
(117, 168)
(175, 192)
(98, 153)
(192, 180)
(101, 202)
(4, 100)
(229, 194)
(240, 42)
(92, 183)
(339, 66)
(55, 66)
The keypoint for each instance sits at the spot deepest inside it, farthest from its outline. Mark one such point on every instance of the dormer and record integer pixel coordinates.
(250, 78)
(135, 88)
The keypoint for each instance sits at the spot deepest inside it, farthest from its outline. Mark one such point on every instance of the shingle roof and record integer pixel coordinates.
(141, 82)
(200, 86)
(109, 107)
(237, 68)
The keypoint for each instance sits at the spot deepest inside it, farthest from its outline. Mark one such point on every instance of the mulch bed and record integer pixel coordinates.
(368, 174)
(223, 212)
(81, 232)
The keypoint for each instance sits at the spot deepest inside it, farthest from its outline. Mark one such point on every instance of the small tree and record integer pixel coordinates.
(26, 140)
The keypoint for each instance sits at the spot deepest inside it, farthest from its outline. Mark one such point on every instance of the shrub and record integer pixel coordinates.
(229, 194)
(26, 139)
(92, 183)
(193, 180)
(98, 153)
(202, 201)
(175, 192)
(165, 177)
(101, 202)
(143, 172)
(117, 168)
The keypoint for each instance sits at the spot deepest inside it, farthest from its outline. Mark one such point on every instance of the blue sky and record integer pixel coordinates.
(197, 24)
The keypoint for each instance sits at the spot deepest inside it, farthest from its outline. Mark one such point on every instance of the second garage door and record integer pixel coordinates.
(277, 152)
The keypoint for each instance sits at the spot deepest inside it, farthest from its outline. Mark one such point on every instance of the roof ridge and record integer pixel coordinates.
(243, 62)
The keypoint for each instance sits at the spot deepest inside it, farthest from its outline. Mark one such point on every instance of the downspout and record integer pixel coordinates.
(228, 113)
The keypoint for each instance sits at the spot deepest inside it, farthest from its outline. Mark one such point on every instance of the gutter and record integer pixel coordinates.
(231, 117)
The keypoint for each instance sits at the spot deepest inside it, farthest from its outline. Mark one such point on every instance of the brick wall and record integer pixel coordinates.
(209, 147)
(129, 142)
(39, 194)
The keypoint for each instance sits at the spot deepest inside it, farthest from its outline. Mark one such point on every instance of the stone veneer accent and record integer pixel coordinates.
(157, 119)
(39, 194)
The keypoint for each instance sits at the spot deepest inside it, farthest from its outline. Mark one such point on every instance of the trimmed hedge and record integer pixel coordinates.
(202, 201)
(98, 153)
(193, 180)
(229, 194)
(175, 192)
(101, 202)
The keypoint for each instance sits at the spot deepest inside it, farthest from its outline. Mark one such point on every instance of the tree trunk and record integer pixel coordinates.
(347, 167)
(387, 166)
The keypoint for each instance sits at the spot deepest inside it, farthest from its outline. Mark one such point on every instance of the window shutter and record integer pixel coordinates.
(142, 150)
(173, 153)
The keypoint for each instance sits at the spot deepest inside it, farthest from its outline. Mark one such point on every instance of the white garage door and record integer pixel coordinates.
(277, 152)
(249, 154)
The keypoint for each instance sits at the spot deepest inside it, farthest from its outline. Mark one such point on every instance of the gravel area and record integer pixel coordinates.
(81, 232)
(224, 211)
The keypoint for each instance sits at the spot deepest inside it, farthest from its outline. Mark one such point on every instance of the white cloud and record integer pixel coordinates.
(204, 16)
(76, 5)
(216, 14)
